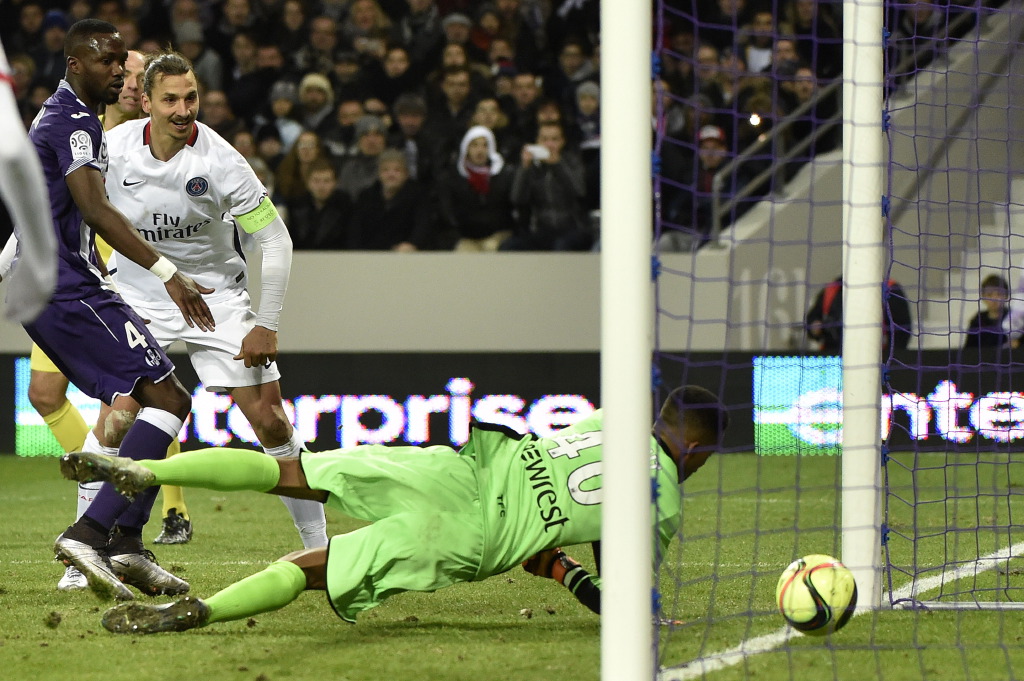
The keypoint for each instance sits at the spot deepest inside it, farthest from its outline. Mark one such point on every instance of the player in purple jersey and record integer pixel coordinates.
(89, 332)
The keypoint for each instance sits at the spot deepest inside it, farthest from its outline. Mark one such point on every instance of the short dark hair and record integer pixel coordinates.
(995, 281)
(82, 30)
(694, 407)
(164, 64)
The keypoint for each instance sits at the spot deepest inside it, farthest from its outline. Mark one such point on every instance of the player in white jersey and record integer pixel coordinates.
(184, 188)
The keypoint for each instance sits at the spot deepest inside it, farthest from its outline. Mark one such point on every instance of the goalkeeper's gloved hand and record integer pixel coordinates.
(553, 564)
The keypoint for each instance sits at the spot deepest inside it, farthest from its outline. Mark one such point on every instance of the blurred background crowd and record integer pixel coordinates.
(466, 124)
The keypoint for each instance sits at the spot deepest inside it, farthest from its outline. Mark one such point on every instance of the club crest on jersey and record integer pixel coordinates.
(197, 186)
(153, 357)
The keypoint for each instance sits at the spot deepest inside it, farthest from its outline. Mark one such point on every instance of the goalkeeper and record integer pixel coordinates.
(438, 516)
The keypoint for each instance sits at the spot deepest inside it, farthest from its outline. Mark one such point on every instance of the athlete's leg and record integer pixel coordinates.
(221, 469)
(261, 405)
(271, 589)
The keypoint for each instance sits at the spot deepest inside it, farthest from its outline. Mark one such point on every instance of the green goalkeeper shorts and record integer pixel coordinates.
(427, 528)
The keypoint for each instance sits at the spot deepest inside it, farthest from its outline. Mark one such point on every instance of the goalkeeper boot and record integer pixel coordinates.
(72, 580)
(94, 563)
(137, 618)
(136, 565)
(127, 477)
(176, 529)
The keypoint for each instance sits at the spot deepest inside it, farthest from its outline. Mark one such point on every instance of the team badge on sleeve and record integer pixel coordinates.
(81, 145)
(197, 186)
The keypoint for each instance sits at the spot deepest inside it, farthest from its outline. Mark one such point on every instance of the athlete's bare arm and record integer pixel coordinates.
(86, 186)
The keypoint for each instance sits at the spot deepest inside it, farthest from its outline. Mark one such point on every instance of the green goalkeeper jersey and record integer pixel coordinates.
(539, 493)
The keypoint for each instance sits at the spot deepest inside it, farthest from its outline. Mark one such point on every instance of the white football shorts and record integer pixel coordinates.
(212, 352)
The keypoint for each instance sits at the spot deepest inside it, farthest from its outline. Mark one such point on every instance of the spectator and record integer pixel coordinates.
(292, 33)
(293, 170)
(488, 113)
(549, 189)
(375, 107)
(988, 328)
(692, 206)
(824, 320)
(758, 41)
(454, 56)
(500, 58)
(29, 34)
(250, 84)
(521, 29)
(49, 55)
(721, 26)
(340, 138)
(319, 221)
(421, 33)
(573, 68)
(207, 64)
(348, 77)
(317, 55)
(23, 71)
(521, 107)
(367, 30)
(279, 111)
(266, 176)
(217, 114)
(410, 113)
(393, 214)
(449, 118)
(708, 75)
(475, 196)
(244, 143)
(393, 76)
(486, 28)
(819, 35)
(920, 33)
(236, 17)
(588, 131)
(360, 170)
(269, 146)
(316, 103)
(803, 88)
(457, 27)
(678, 59)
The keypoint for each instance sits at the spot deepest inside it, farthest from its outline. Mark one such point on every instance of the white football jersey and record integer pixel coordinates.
(183, 208)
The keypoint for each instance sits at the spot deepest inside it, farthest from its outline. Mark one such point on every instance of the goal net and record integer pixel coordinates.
(753, 184)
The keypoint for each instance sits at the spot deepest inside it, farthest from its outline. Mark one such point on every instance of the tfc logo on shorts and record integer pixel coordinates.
(153, 357)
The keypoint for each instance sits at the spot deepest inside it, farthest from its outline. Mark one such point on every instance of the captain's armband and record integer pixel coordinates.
(259, 217)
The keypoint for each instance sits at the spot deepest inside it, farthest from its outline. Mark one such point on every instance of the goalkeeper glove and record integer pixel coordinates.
(553, 564)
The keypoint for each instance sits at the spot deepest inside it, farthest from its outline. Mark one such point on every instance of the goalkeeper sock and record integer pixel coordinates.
(273, 588)
(68, 426)
(221, 469)
(308, 515)
(174, 496)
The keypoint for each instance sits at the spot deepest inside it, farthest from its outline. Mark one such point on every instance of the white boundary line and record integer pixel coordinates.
(702, 666)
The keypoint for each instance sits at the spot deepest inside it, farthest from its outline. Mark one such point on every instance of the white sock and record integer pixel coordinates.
(87, 490)
(307, 514)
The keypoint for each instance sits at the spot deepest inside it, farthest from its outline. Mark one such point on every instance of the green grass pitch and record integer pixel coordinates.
(720, 584)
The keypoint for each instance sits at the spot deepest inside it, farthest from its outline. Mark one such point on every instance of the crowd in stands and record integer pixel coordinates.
(462, 124)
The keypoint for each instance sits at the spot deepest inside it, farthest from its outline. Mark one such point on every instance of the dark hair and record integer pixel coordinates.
(164, 64)
(995, 281)
(692, 406)
(321, 164)
(82, 30)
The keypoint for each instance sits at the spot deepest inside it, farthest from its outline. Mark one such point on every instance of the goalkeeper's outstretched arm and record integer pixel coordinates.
(554, 564)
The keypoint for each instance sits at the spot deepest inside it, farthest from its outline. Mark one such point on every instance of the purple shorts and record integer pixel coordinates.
(100, 344)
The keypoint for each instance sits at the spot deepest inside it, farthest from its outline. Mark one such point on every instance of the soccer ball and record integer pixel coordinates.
(816, 594)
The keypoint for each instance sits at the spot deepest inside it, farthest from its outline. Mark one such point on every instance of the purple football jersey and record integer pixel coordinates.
(97, 341)
(68, 135)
